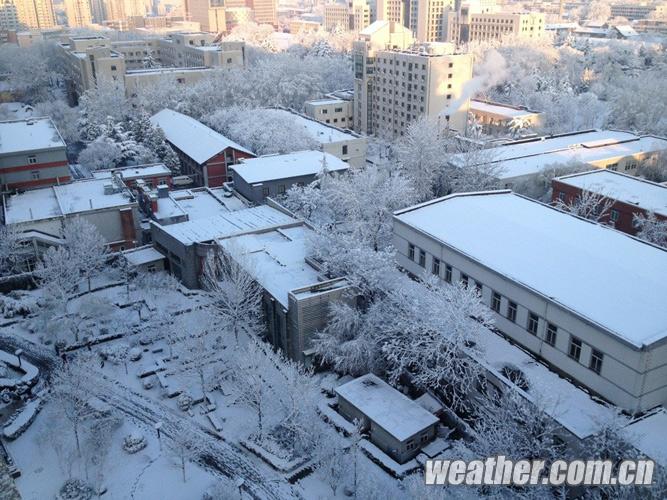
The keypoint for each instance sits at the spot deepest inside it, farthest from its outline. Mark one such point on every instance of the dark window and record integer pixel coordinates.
(281, 188)
(495, 302)
(533, 322)
(422, 258)
(552, 333)
(411, 251)
(448, 273)
(596, 361)
(345, 149)
(575, 348)
(464, 280)
(265, 191)
(32, 159)
(614, 215)
(478, 288)
(34, 174)
(511, 311)
(435, 267)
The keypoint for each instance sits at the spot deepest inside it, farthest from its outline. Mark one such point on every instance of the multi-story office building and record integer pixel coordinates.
(78, 12)
(336, 109)
(36, 14)
(264, 11)
(9, 17)
(632, 11)
(94, 59)
(428, 19)
(396, 83)
(390, 10)
(235, 16)
(469, 25)
(586, 299)
(355, 16)
(32, 154)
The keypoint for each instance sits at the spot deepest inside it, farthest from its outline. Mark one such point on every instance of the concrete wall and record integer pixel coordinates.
(259, 191)
(634, 379)
(29, 169)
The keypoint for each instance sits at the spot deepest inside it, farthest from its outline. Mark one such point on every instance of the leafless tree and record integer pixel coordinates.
(589, 205)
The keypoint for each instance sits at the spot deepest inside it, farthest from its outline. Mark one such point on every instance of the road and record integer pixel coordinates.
(259, 480)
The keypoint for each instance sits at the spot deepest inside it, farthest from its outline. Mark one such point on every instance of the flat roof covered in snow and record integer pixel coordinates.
(201, 203)
(557, 255)
(65, 199)
(31, 134)
(276, 259)
(385, 406)
(142, 255)
(530, 156)
(298, 164)
(505, 110)
(195, 139)
(641, 193)
(220, 226)
(320, 132)
(648, 435)
(132, 173)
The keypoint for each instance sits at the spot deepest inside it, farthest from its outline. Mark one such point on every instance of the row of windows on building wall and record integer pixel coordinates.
(418, 255)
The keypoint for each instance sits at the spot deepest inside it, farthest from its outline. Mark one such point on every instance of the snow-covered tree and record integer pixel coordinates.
(589, 205)
(184, 448)
(86, 247)
(59, 277)
(236, 296)
(103, 152)
(651, 229)
(11, 254)
(64, 116)
(198, 352)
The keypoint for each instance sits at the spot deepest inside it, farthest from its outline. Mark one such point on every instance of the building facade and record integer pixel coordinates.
(79, 14)
(395, 85)
(332, 110)
(32, 154)
(564, 294)
(36, 14)
(469, 26)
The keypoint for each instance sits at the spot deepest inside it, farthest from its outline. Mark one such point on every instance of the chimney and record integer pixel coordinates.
(153, 199)
(162, 191)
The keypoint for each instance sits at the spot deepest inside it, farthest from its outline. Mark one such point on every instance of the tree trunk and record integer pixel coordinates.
(183, 466)
(76, 438)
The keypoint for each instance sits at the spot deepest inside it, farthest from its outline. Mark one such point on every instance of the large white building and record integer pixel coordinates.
(585, 298)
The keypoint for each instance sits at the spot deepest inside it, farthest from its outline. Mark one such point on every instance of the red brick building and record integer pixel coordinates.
(204, 153)
(32, 154)
(630, 195)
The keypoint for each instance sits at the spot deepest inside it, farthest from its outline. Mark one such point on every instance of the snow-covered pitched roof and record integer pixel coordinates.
(220, 226)
(626, 30)
(504, 110)
(559, 256)
(65, 199)
(529, 156)
(31, 134)
(566, 403)
(273, 167)
(644, 194)
(276, 259)
(648, 435)
(385, 406)
(195, 139)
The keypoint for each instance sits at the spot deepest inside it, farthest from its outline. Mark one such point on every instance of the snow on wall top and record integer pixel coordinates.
(223, 225)
(597, 272)
(530, 156)
(195, 139)
(274, 167)
(648, 435)
(65, 199)
(29, 135)
(276, 259)
(633, 190)
(499, 109)
(388, 408)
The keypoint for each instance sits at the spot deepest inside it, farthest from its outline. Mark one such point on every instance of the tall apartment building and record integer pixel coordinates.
(391, 10)
(210, 14)
(469, 25)
(265, 11)
(9, 17)
(632, 11)
(428, 19)
(355, 16)
(396, 84)
(36, 14)
(79, 14)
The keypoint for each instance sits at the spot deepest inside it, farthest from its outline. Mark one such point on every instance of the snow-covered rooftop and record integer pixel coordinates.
(505, 110)
(201, 203)
(132, 173)
(276, 259)
(373, 28)
(530, 156)
(220, 226)
(320, 132)
(142, 255)
(559, 256)
(388, 408)
(65, 199)
(626, 188)
(298, 164)
(31, 134)
(566, 403)
(194, 138)
(325, 101)
(648, 435)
